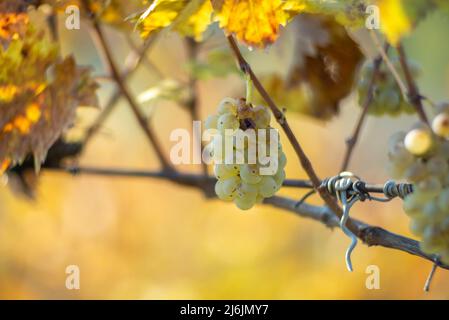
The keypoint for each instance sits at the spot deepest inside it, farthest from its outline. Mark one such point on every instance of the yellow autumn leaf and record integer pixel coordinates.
(254, 22)
(194, 19)
(394, 20)
(189, 17)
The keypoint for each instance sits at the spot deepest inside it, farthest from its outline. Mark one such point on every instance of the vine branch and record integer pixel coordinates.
(193, 101)
(280, 118)
(413, 92)
(370, 235)
(130, 68)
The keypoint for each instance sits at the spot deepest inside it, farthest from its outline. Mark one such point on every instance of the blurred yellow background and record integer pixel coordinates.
(138, 238)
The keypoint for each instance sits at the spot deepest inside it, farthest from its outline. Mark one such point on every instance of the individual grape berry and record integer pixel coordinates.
(221, 193)
(230, 185)
(227, 121)
(262, 116)
(250, 174)
(227, 105)
(222, 171)
(247, 189)
(267, 187)
(211, 122)
(418, 141)
(246, 202)
(440, 125)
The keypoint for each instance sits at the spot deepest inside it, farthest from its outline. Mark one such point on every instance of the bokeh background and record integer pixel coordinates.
(138, 238)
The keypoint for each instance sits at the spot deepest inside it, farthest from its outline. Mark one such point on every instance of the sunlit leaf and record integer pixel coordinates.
(190, 18)
(254, 22)
(399, 17)
(394, 20)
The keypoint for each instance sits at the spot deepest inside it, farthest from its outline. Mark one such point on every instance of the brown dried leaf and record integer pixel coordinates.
(326, 61)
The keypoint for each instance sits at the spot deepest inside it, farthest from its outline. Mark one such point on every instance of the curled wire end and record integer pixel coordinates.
(344, 218)
(350, 248)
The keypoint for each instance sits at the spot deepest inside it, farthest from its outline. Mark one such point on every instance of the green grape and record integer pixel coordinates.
(279, 177)
(246, 188)
(397, 151)
(416, 171)
(437, 166)
(267, 186)
(227, 105)
(413, 204)
(418, 141)
(440, 125)
(222, 171)
(396, 142)
(417, 227)
(431, 211)
(221, 193)
(429, 187)
(211, 122)
(443, 200)
(282, 160)
(230, 185)
(250, 174)
(218, 148)
(262, 116)
(234, 168)
(246, 202)
(227, 121)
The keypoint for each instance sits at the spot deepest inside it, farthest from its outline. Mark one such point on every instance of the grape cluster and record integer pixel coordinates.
(249, 181)
(387, 97)
(421, 156)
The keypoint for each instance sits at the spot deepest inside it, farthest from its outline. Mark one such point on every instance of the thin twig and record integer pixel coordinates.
(370, 235)
(193, 102)
(413, 92)
(280, 118)
(352, 141)
(389, 64)
(129, 69)
(144, 58)
(129, 97)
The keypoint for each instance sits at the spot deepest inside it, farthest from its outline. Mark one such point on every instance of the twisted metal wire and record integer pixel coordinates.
(348, 188)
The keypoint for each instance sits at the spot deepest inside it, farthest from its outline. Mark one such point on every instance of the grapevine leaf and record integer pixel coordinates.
(399, 17)
(394, 20)
(190, 18)
(255, 22)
